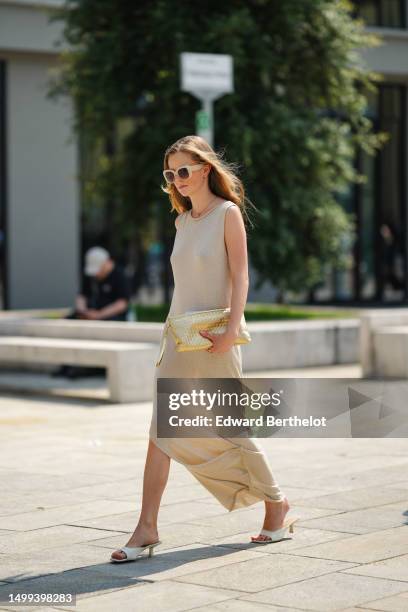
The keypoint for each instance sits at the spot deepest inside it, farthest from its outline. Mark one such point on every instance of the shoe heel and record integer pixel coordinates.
(152, 547)
(292, 524)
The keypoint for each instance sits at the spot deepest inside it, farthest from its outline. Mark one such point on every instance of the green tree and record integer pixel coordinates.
(293, 123)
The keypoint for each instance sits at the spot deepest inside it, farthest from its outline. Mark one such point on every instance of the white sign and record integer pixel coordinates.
(206, 72)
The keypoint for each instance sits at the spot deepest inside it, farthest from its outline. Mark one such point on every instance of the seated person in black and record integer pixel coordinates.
(105, 295)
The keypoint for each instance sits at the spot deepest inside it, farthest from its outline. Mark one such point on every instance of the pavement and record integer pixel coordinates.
(71, 478)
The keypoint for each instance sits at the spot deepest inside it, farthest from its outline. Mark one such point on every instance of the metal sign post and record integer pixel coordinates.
(207, 76)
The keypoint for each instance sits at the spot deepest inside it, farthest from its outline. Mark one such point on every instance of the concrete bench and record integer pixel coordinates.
(297, 344)
(374, 347)
(275, 344)
(129, 365)
(116, 331)
(390, 345)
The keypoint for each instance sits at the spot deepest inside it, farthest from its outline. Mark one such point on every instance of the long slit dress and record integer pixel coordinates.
(235, 470)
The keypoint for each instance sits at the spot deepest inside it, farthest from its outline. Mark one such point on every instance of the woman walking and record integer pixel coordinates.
(210, 268)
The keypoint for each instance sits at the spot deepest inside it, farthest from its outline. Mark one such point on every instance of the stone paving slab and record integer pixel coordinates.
(165, 596)
(252, 518)
(168, 514)
(397, 603)
(83, 582)
(238, 605)
(131, 491)
(265, 572)
(350, 465)
(125, 489)
(334, 591)
(64, 514)
(403, 484)
(364, 521)
(356, 499)
(18, 567)
(124, 523)
(171, 536)
(181, 561)
(301, 539)
(52, 537)
(42, 501)
(58, 461)
(395, 568)
(49, 538)
(12, 481)
(363, 548)
(335, 480)
(352, 609)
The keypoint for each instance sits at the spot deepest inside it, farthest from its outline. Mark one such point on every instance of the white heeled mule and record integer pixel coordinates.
(277, 534)
(133, 552)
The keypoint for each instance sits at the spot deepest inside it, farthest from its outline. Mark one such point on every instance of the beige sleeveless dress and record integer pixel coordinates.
(234, 470)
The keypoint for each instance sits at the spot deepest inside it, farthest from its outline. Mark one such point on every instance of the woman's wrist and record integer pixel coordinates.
(232, 332)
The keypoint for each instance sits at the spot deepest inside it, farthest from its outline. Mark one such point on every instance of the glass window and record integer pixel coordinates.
(391, 234)
(379, 265)
(383, 13)
(367, 10)
(367, 213)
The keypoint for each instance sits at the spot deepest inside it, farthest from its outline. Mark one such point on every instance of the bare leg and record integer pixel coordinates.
(155, 477)
(274, 516)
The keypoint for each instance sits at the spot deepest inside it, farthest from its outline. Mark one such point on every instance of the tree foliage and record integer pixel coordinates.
(293, 123)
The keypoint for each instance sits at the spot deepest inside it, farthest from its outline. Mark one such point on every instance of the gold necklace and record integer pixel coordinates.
(203, 211)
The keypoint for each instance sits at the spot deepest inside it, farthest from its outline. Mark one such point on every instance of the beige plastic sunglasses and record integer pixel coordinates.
(183, 172)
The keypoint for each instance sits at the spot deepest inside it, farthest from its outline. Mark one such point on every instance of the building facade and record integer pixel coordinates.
(39, 199)
(379, 256)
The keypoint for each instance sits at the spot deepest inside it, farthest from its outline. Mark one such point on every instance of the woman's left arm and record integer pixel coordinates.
(236, 243)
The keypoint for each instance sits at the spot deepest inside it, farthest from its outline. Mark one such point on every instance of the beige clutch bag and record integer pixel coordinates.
(185, 329)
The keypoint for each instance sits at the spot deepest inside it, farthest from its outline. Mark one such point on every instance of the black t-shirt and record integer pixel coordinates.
(101, 293)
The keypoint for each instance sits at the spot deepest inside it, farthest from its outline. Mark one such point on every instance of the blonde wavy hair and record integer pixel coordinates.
(222, 178)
